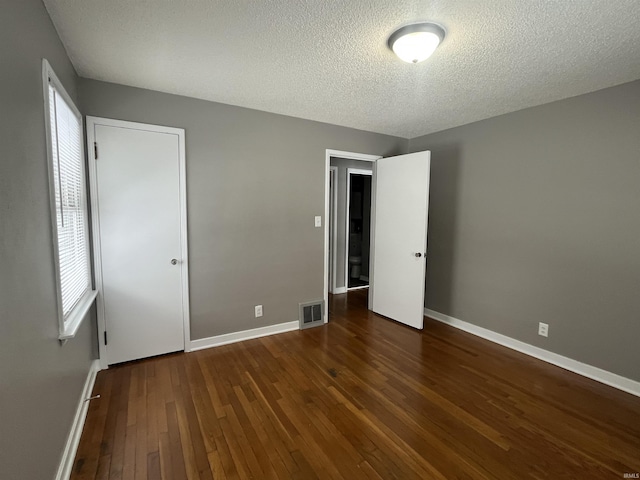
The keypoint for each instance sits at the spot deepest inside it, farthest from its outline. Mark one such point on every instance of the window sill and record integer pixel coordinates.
(78, 314)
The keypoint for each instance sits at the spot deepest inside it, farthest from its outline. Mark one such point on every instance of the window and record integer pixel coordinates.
(68, 205)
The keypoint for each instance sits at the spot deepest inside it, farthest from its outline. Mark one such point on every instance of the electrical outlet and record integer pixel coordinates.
(258, 311)
(318, 221)
(543, 329)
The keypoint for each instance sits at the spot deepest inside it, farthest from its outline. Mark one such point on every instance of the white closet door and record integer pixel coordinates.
(400, 237)
(138, 180)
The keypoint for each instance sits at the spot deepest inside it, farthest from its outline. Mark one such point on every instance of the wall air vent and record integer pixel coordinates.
(311, 314)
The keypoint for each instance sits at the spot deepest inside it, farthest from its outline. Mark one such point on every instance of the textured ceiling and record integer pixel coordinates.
(327, 60)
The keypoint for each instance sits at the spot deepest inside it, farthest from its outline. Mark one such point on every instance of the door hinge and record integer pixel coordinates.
(105, 337)
(95, 150)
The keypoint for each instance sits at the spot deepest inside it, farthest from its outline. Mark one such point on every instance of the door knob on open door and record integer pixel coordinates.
(418, 254)
(174, 261)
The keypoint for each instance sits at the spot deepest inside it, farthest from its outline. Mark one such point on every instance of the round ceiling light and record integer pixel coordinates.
(415, 43)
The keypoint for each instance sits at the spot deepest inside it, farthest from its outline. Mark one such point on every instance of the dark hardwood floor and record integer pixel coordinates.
(362, 397)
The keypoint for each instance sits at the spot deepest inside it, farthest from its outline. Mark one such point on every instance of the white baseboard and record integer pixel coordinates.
(244, 335)
(71, 447)
(339, 290)
(594, 373)
(357, 288)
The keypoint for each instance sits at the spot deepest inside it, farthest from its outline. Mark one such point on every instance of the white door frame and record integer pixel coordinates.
(352, 171)
(333, 191)
(95, 223)
(327, 164)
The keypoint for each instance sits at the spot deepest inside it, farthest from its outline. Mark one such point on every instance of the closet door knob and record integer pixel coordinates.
(418, 254)
(174, 261)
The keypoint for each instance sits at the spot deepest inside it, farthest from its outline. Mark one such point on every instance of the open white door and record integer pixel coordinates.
(398, 261)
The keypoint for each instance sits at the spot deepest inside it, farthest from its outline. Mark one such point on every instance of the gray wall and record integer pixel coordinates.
(535, 216)
(343, 164)
(255, 181)
(40, 380)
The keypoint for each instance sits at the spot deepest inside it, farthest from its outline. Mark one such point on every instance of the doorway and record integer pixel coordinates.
(398, 240)
(346, 193)
(332, 225)
(358, 228)
(335, 224)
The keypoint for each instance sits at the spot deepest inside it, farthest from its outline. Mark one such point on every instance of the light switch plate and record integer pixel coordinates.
(318, 221)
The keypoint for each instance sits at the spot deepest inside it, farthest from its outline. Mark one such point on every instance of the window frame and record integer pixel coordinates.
(67, 324)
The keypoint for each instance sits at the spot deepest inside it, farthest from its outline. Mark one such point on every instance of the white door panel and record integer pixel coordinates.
(138, 178)
(400, 233)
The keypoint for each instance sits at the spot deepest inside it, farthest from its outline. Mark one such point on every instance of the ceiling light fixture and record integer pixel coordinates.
(416, 42)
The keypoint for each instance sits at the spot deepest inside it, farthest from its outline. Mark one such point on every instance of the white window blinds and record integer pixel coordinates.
(70, 201)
